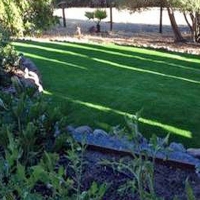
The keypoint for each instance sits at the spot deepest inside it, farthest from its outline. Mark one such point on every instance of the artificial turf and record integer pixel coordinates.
(97, 85)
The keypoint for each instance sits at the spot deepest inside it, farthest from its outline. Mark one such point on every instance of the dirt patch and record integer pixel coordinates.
(164, 42)
(168, 181)
(152, 39)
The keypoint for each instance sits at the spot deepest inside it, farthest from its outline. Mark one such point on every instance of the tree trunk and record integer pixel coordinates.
(177, 33)
(63, 14)
(98, 28)
(111, 16)
(192, 16)
(187, 21)
(197, 39)
(189, 25)
(195, 17)
(161, 19)
(195, 28)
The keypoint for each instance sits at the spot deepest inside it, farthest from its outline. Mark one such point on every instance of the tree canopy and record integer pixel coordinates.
(191, 7)
(22, 16)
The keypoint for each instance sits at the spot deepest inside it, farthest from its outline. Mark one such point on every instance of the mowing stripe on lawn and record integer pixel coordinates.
(99, 84)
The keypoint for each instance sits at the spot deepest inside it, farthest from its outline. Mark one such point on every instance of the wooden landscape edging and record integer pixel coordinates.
(168, 162)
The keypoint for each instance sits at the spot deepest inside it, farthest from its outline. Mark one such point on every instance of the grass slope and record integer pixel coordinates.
(99, 84)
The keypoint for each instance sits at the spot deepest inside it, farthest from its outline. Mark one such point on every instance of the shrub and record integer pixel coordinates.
(26, 17)
(33, 136)
(8, 56)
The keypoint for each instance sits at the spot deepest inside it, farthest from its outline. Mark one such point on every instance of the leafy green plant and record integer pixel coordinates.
(4, 36)
(131, 129)
(97, 16)
(8, 56)
(15, 180)
(33, 124)
(29, 178)
(132, 125)
(76, 164)
(155, 143)
(139, 170)
(158, 144)
(32, 139)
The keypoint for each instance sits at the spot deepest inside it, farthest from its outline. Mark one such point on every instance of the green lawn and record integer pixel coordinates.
(98, 84)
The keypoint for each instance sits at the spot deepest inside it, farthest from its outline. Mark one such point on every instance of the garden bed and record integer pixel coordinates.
(169, 181)
(104, 154)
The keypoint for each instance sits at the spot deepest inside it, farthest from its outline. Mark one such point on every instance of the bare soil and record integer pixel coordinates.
(152, 39)
(169, 181)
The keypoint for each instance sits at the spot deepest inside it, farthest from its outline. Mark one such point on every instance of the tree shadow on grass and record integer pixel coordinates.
(172, 60)
(99, 80)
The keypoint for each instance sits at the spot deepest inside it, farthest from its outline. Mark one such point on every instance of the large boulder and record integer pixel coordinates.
(24, 63)
(30, 75)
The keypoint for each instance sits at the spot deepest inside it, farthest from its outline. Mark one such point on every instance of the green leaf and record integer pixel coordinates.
(2, 104)
(29, 132)
(39, 173)
(100, 14)
(61, 171)
(154, 141)
(94, 188)
(89, 15)
(189, 191)
(18, 109)
(21, 171)
(166, 139)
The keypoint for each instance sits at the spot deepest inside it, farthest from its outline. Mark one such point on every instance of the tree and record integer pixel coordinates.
(10, 17)
(82, 3)
(22, 16)
(191, 7)
(177, 34)
(97, 16)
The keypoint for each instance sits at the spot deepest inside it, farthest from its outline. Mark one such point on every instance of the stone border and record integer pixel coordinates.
(174, 152)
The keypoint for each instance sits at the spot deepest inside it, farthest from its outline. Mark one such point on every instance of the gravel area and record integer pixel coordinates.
(138, 29)
(123, 21)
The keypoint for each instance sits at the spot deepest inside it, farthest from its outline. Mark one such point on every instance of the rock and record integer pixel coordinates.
(27, 63)
(83, 130)
(28, 71)
(28, 83)
(183, 157)
(97, 132)
(33, 76)
(177, 147)
(70, 129)
(194, 152)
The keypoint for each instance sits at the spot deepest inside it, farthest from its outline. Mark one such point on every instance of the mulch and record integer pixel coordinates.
(169, 181)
